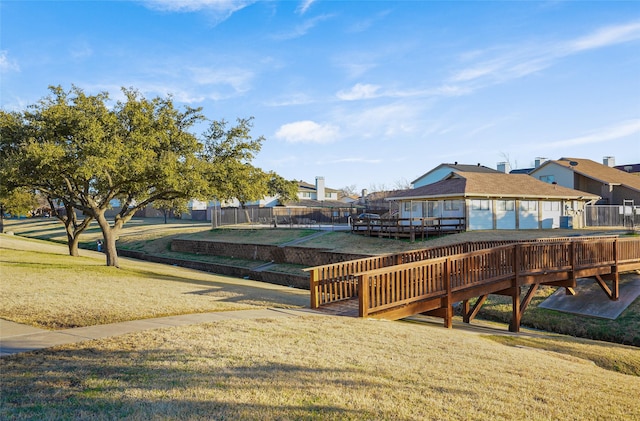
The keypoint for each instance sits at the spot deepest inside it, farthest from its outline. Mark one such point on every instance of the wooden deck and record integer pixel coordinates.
(430, 281)
(414, 228)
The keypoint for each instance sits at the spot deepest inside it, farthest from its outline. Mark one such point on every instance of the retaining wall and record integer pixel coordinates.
(276, 278)
(268, 253)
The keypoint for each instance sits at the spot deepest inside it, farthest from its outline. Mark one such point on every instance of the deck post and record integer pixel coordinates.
(313, 286)
(516, 314)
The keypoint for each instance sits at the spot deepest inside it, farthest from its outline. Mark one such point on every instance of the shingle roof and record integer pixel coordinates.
(492, 185)
(599, 172)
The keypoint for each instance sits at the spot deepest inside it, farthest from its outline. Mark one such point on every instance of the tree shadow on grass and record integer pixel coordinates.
(170, 384)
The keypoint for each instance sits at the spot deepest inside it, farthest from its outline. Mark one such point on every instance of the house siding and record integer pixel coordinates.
(432, 177)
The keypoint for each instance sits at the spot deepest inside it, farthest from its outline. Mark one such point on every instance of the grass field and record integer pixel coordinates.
(152, 236)
(315, 367)
(44, 287)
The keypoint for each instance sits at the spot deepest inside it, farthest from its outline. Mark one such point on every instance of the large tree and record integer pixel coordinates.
(90, 156)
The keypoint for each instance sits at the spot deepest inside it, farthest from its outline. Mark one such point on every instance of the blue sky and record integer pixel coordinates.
(366, 94)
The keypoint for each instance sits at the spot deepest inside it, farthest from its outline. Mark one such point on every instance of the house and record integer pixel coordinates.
(493, 200)
(443, 170)
(611, 184)
(629, 168)
(318, 192)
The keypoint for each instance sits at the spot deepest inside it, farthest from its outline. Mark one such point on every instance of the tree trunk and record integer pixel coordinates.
(110, 234)
(1, 219)
(71, 226)
(72, 243)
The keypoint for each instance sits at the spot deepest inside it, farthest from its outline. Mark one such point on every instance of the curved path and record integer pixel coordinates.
(16, 337)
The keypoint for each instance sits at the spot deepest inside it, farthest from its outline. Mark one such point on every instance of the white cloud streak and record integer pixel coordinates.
(522, 60)
(218, 10)
(307, 131)
(304, 6)
(359, 91)
(7, 64)
(621, 130)
(301, 29)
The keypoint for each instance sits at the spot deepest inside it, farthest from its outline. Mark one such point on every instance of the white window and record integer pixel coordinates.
(480, 204)
(505, 205)
(548, 178)
(528, 205)
(551, 206)
(451, 205)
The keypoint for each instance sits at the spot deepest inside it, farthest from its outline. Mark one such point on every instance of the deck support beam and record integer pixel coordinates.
(469, 314)
(614, 292)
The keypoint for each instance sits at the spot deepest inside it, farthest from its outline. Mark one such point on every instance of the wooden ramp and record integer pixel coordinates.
(430, 281)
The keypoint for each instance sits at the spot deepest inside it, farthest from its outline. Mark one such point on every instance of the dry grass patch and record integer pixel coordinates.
(622, 359)
(310, 368)
(43, 287)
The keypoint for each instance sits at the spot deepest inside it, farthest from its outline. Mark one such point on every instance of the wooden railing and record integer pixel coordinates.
(408, 227)
(388, 287)
(336, 282)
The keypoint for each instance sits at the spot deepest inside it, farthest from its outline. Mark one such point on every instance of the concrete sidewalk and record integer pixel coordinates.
(591, 301)
(16, 337)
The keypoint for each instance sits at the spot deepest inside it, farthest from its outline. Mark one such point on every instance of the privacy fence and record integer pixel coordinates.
(624, 216)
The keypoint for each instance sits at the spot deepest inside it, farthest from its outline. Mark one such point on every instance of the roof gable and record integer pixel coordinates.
(455, 167)
(597, 171)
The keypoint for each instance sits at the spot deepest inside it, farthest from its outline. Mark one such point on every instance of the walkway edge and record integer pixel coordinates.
(17, 338)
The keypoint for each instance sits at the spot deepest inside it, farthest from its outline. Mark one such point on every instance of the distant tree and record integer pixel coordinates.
(348, 191)
(16, 202)
(171, 207)
(230, 151)
(16, 137)
(373, 188)
(402, 184)
(285, 190)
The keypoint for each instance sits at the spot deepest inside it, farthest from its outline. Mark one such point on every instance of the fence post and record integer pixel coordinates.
(448, 313)
(363, 296)
(616, 278)
(313, 287)
(515, 293)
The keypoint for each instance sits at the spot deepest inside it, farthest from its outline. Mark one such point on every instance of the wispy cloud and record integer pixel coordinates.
(353, 161)
(606, 36)
(512, 62)
(304, 6)
(359, 91)
(302, 28)
(366, 23)
(7, 64)
(219, 10)
(618, 131)
(292, 99)
(81, 50)
(237, 78)
(307, 131)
